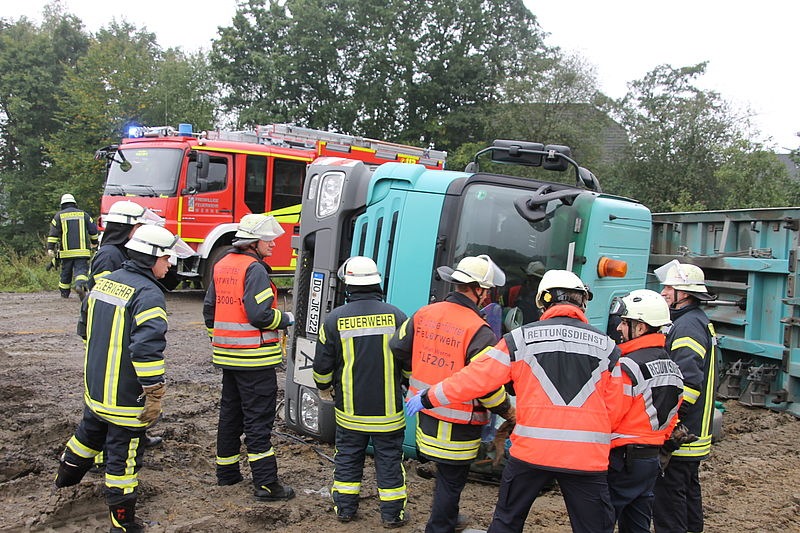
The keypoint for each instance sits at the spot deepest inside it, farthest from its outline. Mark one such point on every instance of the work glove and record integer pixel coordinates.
(414, 404)
(326, 394)
(51, 253)
(499, 442)
(680, 436)
(152, 395)
(290, 316)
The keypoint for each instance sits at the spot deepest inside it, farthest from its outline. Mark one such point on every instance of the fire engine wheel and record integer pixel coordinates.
(215, 255)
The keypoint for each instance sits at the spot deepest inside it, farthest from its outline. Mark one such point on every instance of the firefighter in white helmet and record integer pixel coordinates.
(438, 340)
(244, 323)
(569, 394)
(691, 343)
(354, 362)
(72, 235)
(123, 218)
(125, 371)
(653, 390)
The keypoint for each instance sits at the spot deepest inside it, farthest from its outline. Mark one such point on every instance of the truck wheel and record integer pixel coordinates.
(215, 255)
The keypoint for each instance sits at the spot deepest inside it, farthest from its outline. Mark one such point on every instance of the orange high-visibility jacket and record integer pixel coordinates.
(569, 389)
(653, 387)
(238, 343)
(442, 333)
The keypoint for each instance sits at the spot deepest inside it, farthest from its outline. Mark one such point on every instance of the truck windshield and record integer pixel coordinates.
(153, 172)
(489, 224)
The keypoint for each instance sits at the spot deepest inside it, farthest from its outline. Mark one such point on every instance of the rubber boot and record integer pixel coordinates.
(123, 518)
(65, 293)
(71, 474)
(273, 492)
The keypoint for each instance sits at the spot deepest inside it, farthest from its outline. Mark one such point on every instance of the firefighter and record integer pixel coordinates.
(569, 397)
(73, 232)
(123, 218)
(653, 389)
(438, 340)
(124, 371)
(523, 296)
(691, 342)
(244, 325)
(353, 360)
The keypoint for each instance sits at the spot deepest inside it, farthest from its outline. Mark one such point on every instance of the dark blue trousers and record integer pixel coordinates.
(631, 483)
(351, 448)
(247, 407)
(585, 495)
(450, 481)
(678, 506)
(124, 448)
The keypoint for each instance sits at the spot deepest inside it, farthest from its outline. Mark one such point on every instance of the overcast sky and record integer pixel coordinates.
(752, 62)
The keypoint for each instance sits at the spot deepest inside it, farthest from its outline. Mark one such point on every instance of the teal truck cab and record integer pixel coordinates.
(411, 219)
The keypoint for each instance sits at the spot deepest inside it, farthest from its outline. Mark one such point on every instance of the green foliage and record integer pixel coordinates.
(25, 273)
(679, 135)
(755, 178)
(407, 70)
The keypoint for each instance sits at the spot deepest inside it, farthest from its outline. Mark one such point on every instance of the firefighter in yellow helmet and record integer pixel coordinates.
(353, 360)
(244, 322)
(72, 235)
(439, 340)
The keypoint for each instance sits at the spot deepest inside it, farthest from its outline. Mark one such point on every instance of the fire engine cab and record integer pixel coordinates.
(203, 183)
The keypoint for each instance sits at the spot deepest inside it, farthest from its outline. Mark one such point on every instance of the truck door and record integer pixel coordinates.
(209, 202)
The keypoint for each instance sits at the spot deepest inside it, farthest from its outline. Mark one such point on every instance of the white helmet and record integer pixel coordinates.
(359, 270)
(67, 199)
(480, 270)
(535, 268)
(158, 242)
(643, 305)
(131, 213)
(684, 277)
(255, 227)
(559, 279)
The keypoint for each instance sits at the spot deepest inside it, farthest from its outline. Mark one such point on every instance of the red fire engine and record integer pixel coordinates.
(203, 184)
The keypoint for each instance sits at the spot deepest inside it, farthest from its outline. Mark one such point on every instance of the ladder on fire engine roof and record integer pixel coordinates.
(292, 136)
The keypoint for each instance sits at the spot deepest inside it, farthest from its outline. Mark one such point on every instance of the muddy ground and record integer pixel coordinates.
(750, 483)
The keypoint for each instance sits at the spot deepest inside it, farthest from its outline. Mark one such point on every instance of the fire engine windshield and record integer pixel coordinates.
(152, 172)
(489, 224)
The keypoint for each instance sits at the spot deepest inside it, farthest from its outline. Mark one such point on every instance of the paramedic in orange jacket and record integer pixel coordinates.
(569, 398)
(653, 392)
(439, 339)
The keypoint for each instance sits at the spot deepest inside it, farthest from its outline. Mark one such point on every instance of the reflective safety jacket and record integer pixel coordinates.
(653, 388)
(442, 333)
(107, 259)
(438, 340)
(126, 324)
(692, 344)
(240, 314)
(569, 391)
(74, 231)
(353, 357)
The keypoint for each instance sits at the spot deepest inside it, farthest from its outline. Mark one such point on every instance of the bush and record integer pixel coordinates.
(26, 273)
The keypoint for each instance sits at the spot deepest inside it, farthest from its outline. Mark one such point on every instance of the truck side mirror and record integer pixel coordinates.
(202, 162)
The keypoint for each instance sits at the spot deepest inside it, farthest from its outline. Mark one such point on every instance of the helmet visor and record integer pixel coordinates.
(618, 307)
(149, 217)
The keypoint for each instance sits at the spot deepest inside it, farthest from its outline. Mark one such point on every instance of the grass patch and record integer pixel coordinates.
(26, 273)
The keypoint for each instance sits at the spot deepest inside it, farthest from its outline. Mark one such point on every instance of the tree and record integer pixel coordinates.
(755, 178)
(680, 136)
(407, 70)
(124, 78)
(33, 63)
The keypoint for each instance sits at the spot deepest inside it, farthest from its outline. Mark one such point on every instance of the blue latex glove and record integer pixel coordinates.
(414, 404)
(290, 316)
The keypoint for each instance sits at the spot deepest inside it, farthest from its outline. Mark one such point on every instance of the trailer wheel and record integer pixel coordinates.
(215, 255)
